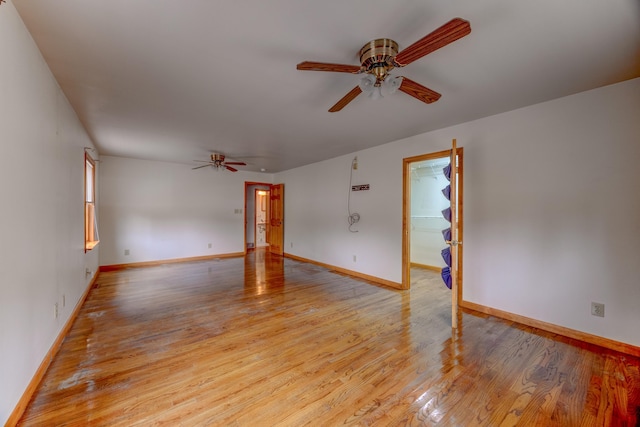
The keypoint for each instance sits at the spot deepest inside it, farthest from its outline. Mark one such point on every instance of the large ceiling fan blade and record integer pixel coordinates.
(198, 167)
(235, 163)
(230, 168)
(418, 91)
(448, 33)
(323, 66)
(346, 99)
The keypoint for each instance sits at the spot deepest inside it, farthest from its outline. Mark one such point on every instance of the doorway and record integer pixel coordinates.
(256, 219)
(423, 222)
(263, 219)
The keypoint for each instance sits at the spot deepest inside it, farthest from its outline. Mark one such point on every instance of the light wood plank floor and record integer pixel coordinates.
(266, 341)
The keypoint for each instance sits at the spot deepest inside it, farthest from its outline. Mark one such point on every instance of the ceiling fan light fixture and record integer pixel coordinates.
(367, 83)
(390, 85)
(376, 93)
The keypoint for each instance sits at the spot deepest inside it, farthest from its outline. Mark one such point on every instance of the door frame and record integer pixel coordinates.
(276, 220)
(406, 213)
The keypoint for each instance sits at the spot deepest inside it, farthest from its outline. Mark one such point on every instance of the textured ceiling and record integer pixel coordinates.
(177, 80)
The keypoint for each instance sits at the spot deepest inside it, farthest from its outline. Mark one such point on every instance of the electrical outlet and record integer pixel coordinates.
(64, 301)
(209, 245)
(291, 244)
(126, 252)
(597, 309)
(354, 258)
(55, 310)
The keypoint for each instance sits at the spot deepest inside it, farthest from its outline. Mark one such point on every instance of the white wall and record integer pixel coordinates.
(41, 220)
(316, 213)
(552, 209)
(161, 211)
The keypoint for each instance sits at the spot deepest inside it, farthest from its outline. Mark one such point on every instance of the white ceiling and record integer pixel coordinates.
(176, 80)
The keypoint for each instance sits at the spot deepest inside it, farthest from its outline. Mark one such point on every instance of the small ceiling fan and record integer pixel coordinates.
(217, 161)
(380, 56)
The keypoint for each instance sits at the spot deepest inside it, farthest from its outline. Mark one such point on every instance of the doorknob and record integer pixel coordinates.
(453, 242)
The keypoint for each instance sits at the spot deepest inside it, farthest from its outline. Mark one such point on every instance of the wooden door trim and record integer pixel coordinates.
(460, 202)
(255, 218)
(277, 249)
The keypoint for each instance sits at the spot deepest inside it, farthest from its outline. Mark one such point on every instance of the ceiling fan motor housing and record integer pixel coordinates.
(218, 159)
(377, 58)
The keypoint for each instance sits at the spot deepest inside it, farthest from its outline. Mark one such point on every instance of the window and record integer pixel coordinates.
(91, 238)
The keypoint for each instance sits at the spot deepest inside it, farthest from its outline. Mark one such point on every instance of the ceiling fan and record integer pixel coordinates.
(217, 161)
(380, 56)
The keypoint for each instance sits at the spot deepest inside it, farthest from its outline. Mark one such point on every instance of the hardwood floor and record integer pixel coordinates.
(267, 341)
